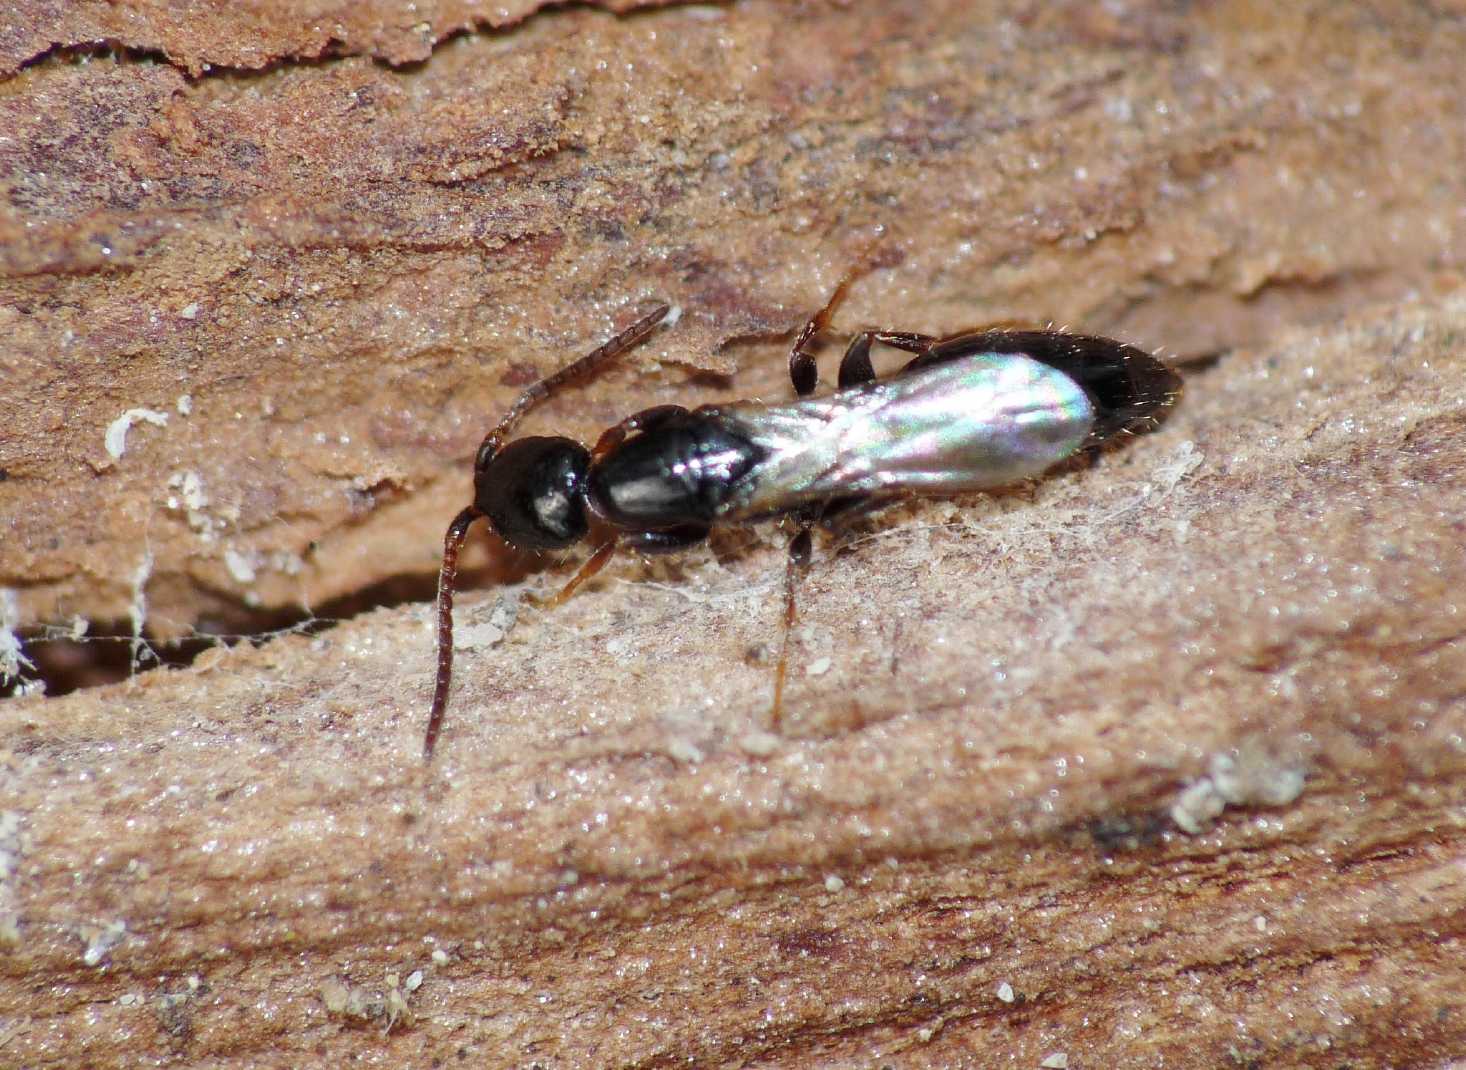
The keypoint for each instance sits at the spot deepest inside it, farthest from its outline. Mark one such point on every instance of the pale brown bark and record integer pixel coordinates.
(989, 833)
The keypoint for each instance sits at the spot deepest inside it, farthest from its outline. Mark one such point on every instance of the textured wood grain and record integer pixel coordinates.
(348, 270)
(1158, 762)
(202, 37)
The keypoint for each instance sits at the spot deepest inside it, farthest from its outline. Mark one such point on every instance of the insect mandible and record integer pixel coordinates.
(970, 411)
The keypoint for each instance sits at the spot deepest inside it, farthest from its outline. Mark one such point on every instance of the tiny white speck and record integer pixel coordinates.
(1005, 992)
(101, 941)
(475, 636)
(1260, 923)
(190, 310)
(819, 667)
(1057, 1061)
(184, 404)
(414, 981)
(684, 750)
(833, 883)
(760, 744)
(240, 566)
(439, 957)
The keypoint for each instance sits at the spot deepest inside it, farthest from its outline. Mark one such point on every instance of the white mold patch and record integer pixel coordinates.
(1184, 460)
(187, 495)
(138, 612)
(115, 440)
(1252, 775)
(14, 842)
(481, 635)
(388, 1005)
(100, 940)
(13, 661)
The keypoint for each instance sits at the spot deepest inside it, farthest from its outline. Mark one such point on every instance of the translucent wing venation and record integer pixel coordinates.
(980, 421)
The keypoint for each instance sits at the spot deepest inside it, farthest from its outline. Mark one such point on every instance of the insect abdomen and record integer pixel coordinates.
(1129, 388)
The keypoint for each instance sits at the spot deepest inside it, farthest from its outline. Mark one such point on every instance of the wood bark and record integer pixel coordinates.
(1156, 762)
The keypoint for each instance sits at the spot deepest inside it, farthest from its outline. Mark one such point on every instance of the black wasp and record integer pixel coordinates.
(971, 411)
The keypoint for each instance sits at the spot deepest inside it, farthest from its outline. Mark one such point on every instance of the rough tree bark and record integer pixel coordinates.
(1156, 762)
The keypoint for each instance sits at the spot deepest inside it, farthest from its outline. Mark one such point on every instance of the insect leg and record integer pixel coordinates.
(855, 366)
(447, 583)
(803, 370)
(1003, 336)
(794, 572)
(593, 564)
(648, 542)
(644, 420)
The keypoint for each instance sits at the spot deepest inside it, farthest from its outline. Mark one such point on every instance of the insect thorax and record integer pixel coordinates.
(680, 472)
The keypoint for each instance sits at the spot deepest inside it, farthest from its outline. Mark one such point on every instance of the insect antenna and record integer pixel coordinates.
(458, 530)
(578, 369)
(447, 582)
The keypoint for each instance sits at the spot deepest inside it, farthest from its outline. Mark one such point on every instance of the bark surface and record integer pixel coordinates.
(1157, 762)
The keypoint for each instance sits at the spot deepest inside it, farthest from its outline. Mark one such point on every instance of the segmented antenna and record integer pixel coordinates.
(458, 530)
